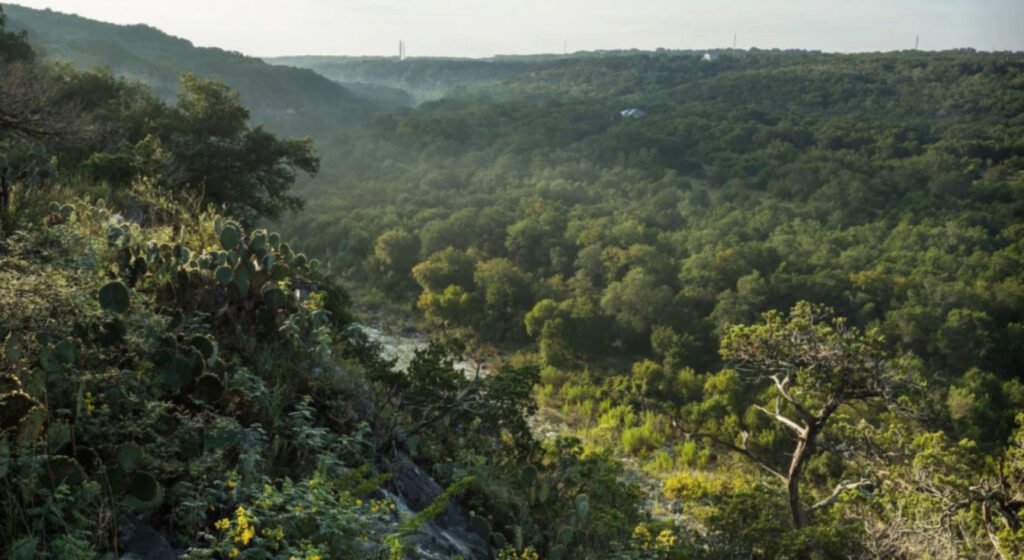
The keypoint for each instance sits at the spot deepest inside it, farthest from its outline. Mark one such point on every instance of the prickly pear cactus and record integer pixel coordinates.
(114, 297)
(230, 236)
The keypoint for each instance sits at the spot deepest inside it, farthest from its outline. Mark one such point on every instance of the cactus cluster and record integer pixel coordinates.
(245, 267)
(138, 489)
(190, 367)
(59, 214)
(255, 264)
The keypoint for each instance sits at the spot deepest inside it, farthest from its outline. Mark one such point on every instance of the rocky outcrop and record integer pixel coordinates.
(446, 536)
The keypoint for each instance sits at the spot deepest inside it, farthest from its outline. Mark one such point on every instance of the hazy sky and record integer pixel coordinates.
(488, 27)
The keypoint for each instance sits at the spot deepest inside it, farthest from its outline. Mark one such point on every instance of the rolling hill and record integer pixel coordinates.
(287, 100)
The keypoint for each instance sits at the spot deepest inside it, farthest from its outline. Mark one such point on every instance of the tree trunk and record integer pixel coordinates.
(796, 511)
(804, 447)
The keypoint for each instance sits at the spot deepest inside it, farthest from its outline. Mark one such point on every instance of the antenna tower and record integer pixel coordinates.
(917, 41)
(733, 41)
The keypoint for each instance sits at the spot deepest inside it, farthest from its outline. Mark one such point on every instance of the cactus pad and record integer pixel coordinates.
(230, 235)
(114, 297)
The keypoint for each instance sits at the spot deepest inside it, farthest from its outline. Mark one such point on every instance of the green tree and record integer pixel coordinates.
(814, 363)
(217, 153)
(395, 253)
(452, 306)
(506, 294)
(543, 311)
(445, 268)
(14, 47)
(637, 301)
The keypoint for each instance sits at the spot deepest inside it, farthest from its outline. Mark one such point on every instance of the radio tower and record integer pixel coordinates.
(401, 50)
(917, 41)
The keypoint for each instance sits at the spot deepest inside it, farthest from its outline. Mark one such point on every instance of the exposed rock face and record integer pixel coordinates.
(447, 535)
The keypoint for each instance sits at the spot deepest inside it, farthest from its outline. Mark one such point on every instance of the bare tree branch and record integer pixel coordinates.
(799, 429)
(742, 451)
(838, 491)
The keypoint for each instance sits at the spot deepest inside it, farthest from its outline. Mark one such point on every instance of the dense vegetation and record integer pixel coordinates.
(172, 382)
(886, 187)
(781, 315)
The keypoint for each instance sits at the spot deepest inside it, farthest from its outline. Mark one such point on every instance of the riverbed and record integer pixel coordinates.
(402, 349)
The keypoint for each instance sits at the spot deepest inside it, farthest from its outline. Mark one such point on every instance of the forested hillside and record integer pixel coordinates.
(768, 305)
(175, 383)
(286, 100)
(527, 213)
(425, 79)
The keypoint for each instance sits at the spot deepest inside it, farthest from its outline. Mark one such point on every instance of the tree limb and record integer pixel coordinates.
(742, 451)
(838, 491)
(783, 387)
(801, 431)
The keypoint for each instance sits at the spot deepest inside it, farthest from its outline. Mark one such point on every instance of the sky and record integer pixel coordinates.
(483, 28)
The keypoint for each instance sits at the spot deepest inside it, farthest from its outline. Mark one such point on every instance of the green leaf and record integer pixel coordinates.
(5, 456)
(258, 241)
(114, 297)
(48, 359)
(65, 470)
(31, 426)
(224, 274)
(230, 236)
(528, 475)
(273, 296)
(480, 526)
(205, 346)
(13, 348)
(144, 492)
(57, 436)
(67, 351)
(582, 507)
(210, 388)
(129, 456)
(222, 439)
(24, 548)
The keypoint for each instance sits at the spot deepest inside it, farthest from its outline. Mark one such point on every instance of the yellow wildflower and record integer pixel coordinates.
(222, 524)
(247, 535)
(231, 484)
(233, 553)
